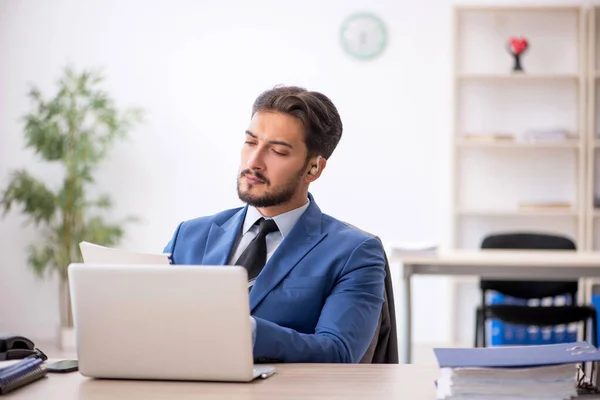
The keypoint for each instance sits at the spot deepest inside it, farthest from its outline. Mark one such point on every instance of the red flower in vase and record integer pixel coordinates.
(518, 45)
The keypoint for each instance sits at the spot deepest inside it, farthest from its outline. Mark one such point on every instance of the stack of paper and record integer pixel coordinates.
(552, 383)
(546, 372)
(546, 135)
(411, 248)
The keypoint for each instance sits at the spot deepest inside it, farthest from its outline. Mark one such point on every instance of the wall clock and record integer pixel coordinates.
(363, 36)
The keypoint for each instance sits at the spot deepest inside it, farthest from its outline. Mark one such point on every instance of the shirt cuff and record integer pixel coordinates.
(253, 325)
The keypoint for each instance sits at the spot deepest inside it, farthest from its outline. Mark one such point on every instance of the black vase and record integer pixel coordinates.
(517, 65)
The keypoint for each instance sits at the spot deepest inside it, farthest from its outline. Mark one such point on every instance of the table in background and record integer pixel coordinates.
(492, 264)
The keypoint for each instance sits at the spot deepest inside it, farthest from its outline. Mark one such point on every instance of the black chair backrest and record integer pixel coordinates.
(383, 348)
(529, 289)
(527, 241)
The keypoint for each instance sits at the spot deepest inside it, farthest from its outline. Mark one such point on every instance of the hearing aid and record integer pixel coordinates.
(315, 167)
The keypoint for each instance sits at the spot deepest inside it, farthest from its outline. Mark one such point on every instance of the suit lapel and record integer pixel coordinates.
(305, 235)
(222, 238)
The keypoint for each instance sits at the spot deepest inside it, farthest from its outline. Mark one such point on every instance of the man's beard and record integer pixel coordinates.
(276, 198)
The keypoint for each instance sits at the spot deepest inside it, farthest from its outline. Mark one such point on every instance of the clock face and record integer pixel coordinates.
(363, 36)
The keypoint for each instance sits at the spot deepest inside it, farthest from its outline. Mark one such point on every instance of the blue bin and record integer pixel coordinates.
(504, 334)
(596, 304)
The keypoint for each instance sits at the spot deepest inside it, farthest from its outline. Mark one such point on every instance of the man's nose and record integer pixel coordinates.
(256, 160)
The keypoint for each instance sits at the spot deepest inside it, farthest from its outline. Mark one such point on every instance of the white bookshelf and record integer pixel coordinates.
(592, 226)
(492, 178)
(593, 133)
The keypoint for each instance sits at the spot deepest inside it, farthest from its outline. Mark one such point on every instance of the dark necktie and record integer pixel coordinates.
(254, 257)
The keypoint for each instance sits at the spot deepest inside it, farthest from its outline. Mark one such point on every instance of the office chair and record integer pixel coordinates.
(524, 314)
(384, 346)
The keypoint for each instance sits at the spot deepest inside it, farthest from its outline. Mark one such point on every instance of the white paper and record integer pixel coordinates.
(8, 363)
(96, 254)
(399, 249)
(553, 382)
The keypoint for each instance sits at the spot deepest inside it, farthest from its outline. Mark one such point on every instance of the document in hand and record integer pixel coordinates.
(522, 372)
(96, 254)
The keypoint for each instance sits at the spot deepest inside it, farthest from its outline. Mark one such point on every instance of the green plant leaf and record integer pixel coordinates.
(36, 200)
(100, 232)
(41, 259)
(75, 126)
(103, 202)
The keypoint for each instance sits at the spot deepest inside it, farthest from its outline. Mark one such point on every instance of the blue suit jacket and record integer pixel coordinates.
(318, 298)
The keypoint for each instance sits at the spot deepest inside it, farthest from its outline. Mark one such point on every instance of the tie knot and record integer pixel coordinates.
(266, 226)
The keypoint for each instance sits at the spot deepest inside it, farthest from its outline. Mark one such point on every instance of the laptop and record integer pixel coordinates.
(163, 322)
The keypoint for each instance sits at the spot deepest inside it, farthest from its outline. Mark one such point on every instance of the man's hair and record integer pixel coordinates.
(322, 123)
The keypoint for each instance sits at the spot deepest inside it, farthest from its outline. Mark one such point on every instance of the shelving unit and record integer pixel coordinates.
(593, 137)
(492, 177)
(560, 88)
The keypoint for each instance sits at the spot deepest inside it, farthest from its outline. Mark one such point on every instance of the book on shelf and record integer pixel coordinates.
(531, 136)
(545, 205)
(487, 137)
(547, 135)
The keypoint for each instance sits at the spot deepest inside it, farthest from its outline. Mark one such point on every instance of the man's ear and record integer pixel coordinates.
(316, 168)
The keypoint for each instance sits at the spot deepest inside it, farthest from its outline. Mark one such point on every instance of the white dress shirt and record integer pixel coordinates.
(285, 222)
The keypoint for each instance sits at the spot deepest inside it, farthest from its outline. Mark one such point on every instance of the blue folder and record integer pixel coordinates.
(27, 370)
(518, 356)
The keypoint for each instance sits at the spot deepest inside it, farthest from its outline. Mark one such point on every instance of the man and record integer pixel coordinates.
(318, 298)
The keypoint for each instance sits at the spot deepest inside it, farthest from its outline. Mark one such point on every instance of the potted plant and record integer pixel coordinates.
(76, 128)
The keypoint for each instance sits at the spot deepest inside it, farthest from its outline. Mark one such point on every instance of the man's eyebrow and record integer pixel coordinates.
(279, 142)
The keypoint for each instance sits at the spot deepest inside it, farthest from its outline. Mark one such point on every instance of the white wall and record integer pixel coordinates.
(196, 67)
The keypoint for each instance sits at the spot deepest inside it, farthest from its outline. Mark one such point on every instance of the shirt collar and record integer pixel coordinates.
(285, 222)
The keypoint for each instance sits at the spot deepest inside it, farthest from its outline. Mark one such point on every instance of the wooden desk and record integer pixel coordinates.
(292, 381)
(499, 264)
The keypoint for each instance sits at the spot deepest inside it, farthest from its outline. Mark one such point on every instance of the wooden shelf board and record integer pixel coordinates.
(516, 77)
(483, 143)
(517, 8)
(519, 213)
